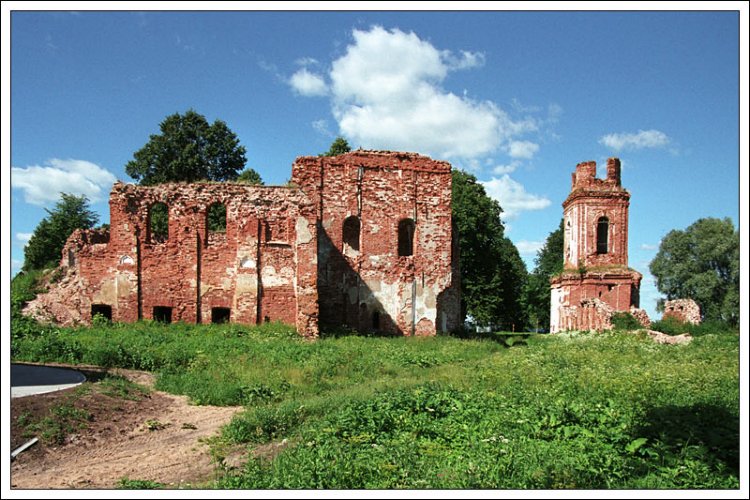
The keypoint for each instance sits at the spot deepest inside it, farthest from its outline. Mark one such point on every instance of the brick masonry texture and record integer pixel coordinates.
(596, 281)
(684, 310)
(363, 240)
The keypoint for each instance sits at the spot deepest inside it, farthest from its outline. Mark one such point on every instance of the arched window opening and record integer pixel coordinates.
(351, 233)
(602, 235)
(216, 218)
(405, 237)
(375, 320)
(158, 223)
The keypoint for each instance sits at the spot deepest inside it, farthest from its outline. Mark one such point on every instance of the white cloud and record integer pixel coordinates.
(386, 94)
(641, 139)
(306, 61)
(522, 149)
(321, 126)
(464, 61)
(529, 247)
(308, 84)
(512, 196)
(43, 184)
(506, 169)
(23, 237)
(646, 246)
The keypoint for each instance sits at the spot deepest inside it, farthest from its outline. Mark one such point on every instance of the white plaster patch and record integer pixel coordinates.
(247, 263)
(270, 277)
(303, 231)
(246, 283)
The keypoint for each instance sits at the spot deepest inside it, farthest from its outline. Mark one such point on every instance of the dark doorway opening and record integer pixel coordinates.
(163, 314)
(220, 315)
(102, 310)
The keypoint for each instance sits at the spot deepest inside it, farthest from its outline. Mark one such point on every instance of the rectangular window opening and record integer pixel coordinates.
(220, 315)
(103, 310)
(163, 314)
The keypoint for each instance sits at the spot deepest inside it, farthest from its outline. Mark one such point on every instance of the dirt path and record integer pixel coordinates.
(158, 439)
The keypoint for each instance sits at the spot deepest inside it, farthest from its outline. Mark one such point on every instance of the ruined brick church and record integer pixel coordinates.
(596, 280)
(363, 239)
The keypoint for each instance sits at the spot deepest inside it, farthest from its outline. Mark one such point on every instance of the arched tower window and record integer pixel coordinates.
(216, 218)
(602, 235)
(405, 237)
(351, 232)
(158, 223)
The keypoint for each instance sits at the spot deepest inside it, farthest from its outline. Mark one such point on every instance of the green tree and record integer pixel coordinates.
(702, 263)
(250, 176)
(548, 262)
(48, 239)
(492, 271)
(188, 149)
(338, 147)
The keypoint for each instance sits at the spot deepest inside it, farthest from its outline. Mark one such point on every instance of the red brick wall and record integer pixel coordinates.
(282, 255)
(407, 294)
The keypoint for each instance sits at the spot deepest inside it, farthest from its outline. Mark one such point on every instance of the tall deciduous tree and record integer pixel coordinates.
(188, 149)
(338, 147)
(492, 271)
(548, 262)
(702, 263)
(48, 239)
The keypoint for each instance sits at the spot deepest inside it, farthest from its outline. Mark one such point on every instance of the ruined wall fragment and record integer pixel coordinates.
(684, 310)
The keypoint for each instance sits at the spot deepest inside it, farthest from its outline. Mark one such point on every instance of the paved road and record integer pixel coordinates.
(26, 380)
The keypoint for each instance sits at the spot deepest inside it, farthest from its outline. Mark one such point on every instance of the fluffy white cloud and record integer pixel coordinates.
(641, 139)
(506, 169)
(23, 237)
(646, 246)
(308, 84)
(522, 149)
(386, 94)
(529, 247)
(512, 196)
(43, 184)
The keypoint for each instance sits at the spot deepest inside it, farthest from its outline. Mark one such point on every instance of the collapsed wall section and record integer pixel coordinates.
(257, 264)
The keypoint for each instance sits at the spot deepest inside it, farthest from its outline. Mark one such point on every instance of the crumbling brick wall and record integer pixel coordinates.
(685, 310)
(327, 247)
(387, 255)
(595, 222)
(261, 268)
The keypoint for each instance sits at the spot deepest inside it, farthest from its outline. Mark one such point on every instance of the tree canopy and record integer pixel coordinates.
(702, 263)
(48, 239)
(250, 176)
(338, 147)
(548, 262)
(188, 149)
(492, 271)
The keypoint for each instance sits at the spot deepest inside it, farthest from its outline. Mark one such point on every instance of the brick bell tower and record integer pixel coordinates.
(596, 280)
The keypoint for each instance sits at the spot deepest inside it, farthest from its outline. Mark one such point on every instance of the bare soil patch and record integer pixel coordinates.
(151, 436)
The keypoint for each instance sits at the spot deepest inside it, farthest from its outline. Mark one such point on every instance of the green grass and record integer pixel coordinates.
(512, 411)
(138, 484)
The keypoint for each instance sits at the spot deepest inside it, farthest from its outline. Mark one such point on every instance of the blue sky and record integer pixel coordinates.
(517, 98)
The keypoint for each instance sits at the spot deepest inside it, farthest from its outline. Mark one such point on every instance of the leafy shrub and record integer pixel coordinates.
(625, 321)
